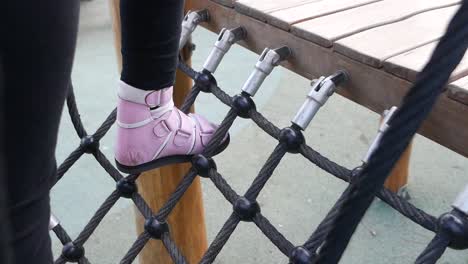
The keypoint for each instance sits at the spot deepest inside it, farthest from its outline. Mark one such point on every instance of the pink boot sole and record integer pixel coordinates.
(164, 161)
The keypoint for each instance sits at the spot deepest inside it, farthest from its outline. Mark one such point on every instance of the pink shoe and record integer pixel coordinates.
(152, 132)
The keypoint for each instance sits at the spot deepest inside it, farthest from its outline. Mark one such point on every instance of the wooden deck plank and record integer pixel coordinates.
(375, 45)
(228, 3)
(328, 29)
(458, 90)
(370, 87)
(267, 6)
(285, 17)
(409, 64)
(259, 8)
(281, 13)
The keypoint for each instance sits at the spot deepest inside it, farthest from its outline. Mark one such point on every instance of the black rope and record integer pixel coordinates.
(74, 114)
(176, 195)
(68, 163)
(97, 218)
(190, 100)
(61, 234)
(136, 248)
(265, 173)
(172, 249)
(273, 234)
(434, 250)
(220, 239)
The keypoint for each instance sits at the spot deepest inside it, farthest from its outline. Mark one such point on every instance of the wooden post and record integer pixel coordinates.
(398, 178)
(187, 221)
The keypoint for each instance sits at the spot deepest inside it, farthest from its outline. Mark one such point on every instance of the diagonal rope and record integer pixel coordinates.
(434, 250)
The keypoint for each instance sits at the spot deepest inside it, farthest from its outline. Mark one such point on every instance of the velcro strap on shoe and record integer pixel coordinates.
(151, 98)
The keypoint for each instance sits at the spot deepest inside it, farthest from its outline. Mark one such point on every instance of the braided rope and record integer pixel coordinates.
(434, 250)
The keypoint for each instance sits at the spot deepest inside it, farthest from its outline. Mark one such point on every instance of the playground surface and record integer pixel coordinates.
(298, 195)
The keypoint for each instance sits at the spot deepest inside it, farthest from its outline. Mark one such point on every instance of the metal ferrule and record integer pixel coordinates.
(268, 60)
(388, 114)
(226, 39)
(461, 203)
(53, 221)
(190, 22)
(317, 97)
(321, 90)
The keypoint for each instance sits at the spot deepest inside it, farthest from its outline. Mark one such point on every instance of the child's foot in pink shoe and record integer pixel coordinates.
(152, 132)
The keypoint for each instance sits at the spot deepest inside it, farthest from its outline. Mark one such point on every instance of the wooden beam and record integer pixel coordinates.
(458, 90)
(370, 87)
(187, 220)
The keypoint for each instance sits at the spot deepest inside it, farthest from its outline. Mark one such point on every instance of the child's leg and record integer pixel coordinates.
(37, 55)
(150, 42)
(151, 131)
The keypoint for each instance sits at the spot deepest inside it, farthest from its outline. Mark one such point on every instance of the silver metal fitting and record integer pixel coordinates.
(322, 89)
(387, 115)
(268, 60)
(226, 38)
(461, 203)
(190, 22)
(53, 221)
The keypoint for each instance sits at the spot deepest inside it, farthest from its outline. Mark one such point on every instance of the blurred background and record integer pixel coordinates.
(297, 197)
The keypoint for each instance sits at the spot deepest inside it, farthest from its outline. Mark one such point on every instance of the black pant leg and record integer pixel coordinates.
(37, 48)
(150, 42)
(6, 252)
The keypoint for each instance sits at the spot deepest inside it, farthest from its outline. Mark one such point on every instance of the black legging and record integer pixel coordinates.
(150, 40)
(37, 44)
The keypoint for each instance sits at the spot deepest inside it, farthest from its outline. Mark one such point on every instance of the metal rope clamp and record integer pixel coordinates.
(53, 221)
(226, 38)
(461, 202)
(190, 22)
(269, 59)
(387, 116)
(322, 89)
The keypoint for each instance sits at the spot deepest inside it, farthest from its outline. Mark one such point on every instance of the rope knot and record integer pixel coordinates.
(72, 252)
(455, 226)
(89, 144)
(246, 209)
(155, 228)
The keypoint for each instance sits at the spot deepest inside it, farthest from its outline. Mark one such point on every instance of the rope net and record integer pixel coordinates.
(328, 241)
